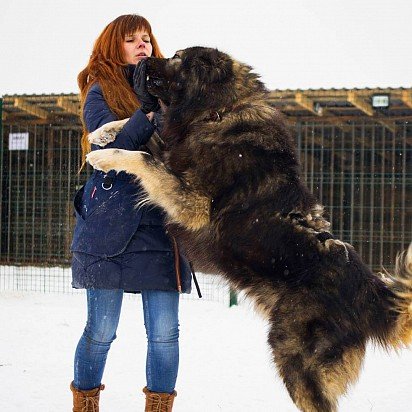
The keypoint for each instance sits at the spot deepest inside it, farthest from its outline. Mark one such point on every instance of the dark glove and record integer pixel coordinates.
(148, 102)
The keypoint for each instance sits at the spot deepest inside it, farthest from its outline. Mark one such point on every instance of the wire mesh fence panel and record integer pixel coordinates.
(360, 172)
(37, 216)
(37, 189)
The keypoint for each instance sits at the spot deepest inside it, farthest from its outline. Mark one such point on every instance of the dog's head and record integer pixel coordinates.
(198, 77)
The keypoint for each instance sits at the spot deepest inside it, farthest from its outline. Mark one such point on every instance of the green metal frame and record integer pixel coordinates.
(1, 164)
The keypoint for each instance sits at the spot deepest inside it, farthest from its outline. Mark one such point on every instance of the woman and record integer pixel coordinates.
(118, 247)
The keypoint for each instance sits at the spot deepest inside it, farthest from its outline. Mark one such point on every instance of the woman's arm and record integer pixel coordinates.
(135, 133)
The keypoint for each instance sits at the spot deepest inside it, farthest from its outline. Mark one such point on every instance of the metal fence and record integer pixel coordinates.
(37, 187)
(37, 216)
(361, 173)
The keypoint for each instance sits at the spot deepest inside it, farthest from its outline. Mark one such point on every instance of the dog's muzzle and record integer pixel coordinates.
(155, 82)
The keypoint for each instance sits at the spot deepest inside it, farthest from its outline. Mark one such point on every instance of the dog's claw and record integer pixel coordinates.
(106, 133)
(106, 159)
(102, 138)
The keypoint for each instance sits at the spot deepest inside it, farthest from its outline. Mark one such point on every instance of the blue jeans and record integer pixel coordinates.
(160, 310)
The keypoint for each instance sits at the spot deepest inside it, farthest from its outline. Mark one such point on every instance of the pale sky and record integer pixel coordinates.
(290, 43)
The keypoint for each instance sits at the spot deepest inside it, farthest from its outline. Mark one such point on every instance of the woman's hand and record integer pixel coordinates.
(148, 102)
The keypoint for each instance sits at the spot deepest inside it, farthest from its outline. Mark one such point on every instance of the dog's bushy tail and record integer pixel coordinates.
(401, 287)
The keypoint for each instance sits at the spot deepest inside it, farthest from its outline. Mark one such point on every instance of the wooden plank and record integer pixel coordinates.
(357, 101)
(388, 124)
(68, 105)
(407, 97)
(307, 104)
(27, 107)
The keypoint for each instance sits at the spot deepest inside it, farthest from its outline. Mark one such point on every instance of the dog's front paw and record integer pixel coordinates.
(106, 159)
(107, 133)
(101, 137)
(338, 248)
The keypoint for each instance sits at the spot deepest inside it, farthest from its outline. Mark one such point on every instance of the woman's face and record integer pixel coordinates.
(137, 47)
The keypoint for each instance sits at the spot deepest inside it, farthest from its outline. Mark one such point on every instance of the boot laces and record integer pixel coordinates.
(91, 404)
(158, 404)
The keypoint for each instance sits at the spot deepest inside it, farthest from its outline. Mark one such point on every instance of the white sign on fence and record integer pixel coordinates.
(18, 141)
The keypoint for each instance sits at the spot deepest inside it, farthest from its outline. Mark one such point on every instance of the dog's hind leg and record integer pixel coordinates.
(315, 375)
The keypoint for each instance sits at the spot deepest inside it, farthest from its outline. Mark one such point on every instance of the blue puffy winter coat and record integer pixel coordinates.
(116, 245)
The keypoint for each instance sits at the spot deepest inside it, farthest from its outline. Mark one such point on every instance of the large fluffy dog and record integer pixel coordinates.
(229, 181)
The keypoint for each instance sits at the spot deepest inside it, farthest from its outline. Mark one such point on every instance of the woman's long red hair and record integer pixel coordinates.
(108, 67)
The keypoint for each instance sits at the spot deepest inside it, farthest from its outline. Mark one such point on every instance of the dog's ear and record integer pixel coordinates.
(221, 70)
(213, 67)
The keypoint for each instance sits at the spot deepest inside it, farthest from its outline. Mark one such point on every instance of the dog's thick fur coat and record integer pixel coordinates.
(228, 178)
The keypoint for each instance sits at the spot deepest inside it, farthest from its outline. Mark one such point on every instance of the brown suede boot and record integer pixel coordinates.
(86, 401)
(158, 402)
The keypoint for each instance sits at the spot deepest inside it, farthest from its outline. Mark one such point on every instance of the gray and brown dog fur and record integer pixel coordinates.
(229, 179)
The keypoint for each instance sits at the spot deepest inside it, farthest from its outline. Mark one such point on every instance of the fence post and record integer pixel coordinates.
(232, 298)
(1, 172)
(1, 116)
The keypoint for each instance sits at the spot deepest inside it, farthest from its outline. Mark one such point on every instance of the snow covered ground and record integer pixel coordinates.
(225, 362)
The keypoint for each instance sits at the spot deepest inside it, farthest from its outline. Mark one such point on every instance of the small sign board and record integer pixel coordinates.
(19, 141)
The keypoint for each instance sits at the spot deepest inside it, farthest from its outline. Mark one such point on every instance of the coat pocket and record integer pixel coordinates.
(106, 219)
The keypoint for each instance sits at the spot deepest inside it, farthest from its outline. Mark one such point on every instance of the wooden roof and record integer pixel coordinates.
(339, 106)
(41, 109)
